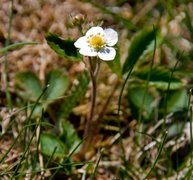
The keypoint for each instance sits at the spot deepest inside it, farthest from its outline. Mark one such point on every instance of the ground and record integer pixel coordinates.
(126, 146)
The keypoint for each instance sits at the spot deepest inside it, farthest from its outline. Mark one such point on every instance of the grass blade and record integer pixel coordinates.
(15, 46)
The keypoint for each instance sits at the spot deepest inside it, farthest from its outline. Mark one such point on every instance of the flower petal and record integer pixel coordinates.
(81, 42)
(94, 30)
(87, 51)
(111, 36)
(107, 54)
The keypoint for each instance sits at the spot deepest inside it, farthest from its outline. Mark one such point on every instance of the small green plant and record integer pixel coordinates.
(130, 101)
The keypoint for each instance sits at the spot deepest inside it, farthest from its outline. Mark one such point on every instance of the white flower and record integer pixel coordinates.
(98, 42)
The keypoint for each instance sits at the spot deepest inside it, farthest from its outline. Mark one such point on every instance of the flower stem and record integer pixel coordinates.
(94, 69)
(93, 92)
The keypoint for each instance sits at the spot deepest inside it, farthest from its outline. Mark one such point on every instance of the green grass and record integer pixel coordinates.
(141, 120)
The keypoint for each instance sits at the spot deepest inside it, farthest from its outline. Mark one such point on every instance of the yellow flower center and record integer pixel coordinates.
(97, 41)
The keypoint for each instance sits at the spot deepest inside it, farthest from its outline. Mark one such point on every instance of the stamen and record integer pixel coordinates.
(97, 41)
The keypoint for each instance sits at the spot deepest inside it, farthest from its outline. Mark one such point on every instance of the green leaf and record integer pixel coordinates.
(15, 46)
(160, 77)
(148, 52)
(164, 85)
(50, 143)
(28, 85)
(115, 65)
(37, 112)
(138, 45)
(69, 135)
(177, 100)
(62, 47)
(58, 83)
(76, 93)
(136, 95)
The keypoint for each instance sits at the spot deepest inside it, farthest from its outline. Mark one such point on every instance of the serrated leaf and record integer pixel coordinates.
(15, 46)
(76, 93)
(115, 65)
(62, 47)
(160, 77)
(138, 45)
(28, 85)
(69, 135)
(136, 95)
(58, 83)
(49, 143)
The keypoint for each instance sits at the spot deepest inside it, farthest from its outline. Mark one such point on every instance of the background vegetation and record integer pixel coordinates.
(143, 115)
